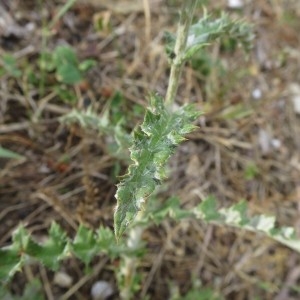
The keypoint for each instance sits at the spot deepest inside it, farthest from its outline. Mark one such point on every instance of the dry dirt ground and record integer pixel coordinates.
(247, 145)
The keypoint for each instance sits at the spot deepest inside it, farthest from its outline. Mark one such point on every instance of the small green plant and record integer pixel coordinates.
(64, 62)
(151, 145)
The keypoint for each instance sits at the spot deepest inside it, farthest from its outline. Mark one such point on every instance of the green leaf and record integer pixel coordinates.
(121, 140)
(9, 63)
(107, 243)
(67, 65)
(170, 209)
(46, 62)
(235, 216)
(68, 73)
(208, 209)
(64, 55)
(251, 171)
(85, 244)
(20, 239)
(10, 263)
(53, 250)
(66, 95)
(153, 143)
(87, 65)
(5, 153)
(12, 257)
(207, 30)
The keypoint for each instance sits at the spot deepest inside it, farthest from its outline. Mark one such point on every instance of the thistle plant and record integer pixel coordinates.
(163, 128)
(151, 145)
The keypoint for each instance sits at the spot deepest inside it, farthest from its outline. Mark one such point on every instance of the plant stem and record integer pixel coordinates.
(131, 263)
(127, 272)
(187, 11)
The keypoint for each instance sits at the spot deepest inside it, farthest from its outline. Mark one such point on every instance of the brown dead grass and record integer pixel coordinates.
(131, 59)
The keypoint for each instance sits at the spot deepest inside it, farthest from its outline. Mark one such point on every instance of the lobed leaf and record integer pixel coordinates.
(86, 245)
(153, 143)
(234, 216)
(10, 263)
(103, 124)
(207, 30)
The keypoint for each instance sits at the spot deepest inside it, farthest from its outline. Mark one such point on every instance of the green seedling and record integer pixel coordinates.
(64, 63)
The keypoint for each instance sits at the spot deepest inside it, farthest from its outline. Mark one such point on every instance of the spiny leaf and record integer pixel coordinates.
(207, 30)
(103, 124)
(58, 246)
(85, 244)
(10, 263)
(153, 143)
(53, 250)
(234, 216)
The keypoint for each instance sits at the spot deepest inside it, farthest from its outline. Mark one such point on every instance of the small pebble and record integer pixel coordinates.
(276, 143)
(101, 290)
(63, 280)
(256, 94)
(235, 4)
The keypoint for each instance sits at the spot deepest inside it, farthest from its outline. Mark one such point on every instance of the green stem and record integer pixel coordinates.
(130, 265)
(187, 11)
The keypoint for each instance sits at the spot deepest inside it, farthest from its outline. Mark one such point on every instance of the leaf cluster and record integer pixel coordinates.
(58, 246)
